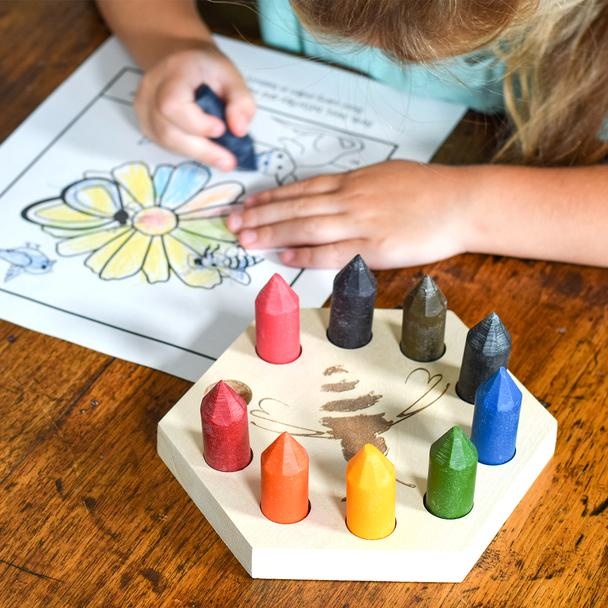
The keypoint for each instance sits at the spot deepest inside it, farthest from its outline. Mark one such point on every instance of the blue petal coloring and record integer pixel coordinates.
(161, 176)
(187, 179)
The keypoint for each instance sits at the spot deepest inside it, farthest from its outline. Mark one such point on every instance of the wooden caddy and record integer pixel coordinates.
(333, 401)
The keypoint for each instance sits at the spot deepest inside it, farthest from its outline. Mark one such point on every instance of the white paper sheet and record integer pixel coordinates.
(99, 239)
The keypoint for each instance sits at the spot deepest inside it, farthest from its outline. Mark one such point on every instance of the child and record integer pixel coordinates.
(549, 202)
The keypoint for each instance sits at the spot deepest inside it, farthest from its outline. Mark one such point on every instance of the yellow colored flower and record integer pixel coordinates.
(131, 222)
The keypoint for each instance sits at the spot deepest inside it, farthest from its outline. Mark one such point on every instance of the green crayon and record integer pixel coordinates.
(451, 480)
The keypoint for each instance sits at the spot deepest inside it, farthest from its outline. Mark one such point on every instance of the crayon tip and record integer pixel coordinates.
(426, 299)
(454, 450)
(222, 405)
(356, 279)
(277, 297)
(499, 391)
(369, 468)
(285, 456)
(490, 336)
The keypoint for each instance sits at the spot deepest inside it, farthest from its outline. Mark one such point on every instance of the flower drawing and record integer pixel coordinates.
(132, 221)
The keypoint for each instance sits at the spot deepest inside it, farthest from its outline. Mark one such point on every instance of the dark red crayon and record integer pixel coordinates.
(277, 322)
(225, 429)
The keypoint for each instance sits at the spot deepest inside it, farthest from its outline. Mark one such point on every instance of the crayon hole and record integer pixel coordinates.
(291, 522)
(439, 516)
(394, 528)
(282, 363)
(240, 388)
(235, 470)
(423, 360)
(371, 337)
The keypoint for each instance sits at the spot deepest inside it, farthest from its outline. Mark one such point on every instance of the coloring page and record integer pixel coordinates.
(113, 243)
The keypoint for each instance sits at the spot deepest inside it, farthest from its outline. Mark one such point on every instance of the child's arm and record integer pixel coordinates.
(402, 214)
(171, 43)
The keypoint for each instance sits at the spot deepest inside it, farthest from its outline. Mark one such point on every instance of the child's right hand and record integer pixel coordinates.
(168, 114)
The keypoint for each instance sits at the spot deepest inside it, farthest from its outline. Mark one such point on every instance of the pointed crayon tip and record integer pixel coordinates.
(285, 456)
(222, 405)
(356, 279)
(454, 450)
(277, 297)
(490, 335)
(499, 391)
(369, 468)
(426, 298)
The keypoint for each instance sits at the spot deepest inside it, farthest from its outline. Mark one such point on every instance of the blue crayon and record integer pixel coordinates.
(495, 418)
(241, 147)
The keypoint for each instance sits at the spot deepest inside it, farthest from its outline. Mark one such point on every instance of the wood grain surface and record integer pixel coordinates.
(89, 515)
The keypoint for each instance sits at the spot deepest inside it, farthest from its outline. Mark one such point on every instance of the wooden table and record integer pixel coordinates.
(89, 515)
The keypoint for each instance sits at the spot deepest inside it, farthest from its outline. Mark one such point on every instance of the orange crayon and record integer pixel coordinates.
(284, 480)
(371, 489)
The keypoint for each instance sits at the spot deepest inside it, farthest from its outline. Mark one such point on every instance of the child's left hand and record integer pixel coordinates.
(394, 214)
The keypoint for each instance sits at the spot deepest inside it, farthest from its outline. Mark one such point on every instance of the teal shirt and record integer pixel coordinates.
(474, 80)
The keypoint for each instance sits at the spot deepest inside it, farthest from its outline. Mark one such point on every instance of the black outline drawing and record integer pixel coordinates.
(311, 147)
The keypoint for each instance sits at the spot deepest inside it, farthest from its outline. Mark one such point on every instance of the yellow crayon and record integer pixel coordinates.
(370, 494)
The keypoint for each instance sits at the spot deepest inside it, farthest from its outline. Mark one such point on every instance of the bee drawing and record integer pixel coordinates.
(232, 263)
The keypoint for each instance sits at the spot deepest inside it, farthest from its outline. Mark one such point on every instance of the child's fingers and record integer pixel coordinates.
(315, 185)
(240, 104)
(281, 211)
(174, 101)
(302, 231)
(332, 255)
(240, 109)
(192, 146)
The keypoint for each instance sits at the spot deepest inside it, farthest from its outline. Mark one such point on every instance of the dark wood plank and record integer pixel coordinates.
(89, 516)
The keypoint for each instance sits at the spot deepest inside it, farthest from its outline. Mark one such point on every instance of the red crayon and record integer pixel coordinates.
(225, 429)
(277, 322)
(284, 486)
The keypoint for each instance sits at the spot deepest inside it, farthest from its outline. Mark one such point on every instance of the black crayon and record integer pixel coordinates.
(241, 147)
(487, 348)
(352, 305)
(423, 328)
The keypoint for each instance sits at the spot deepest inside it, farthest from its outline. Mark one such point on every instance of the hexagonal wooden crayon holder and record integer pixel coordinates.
(333, 401)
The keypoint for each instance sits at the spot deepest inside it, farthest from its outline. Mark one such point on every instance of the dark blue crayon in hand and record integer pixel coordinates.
(496, 418)
(241, 147)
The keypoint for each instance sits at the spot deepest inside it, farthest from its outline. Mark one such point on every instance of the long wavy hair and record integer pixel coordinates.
(555, 52)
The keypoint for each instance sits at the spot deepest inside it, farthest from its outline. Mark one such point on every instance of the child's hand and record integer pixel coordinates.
(168, 114)
(394, 214)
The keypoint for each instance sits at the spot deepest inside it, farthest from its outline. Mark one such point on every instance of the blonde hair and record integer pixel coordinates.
(555, 53)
